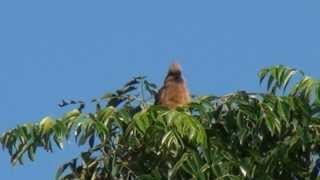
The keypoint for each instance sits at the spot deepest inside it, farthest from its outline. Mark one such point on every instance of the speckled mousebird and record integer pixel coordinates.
(174, 92)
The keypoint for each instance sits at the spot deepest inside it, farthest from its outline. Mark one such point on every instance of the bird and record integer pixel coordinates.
(174, 92)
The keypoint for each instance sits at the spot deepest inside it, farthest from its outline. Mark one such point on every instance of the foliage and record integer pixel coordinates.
(243, 135)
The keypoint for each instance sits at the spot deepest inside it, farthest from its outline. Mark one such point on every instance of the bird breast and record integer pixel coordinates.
(174, 95)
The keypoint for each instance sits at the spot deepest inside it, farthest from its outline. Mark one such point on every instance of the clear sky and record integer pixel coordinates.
(51, 50)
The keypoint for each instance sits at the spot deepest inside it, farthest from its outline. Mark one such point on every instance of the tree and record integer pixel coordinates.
(243, 135)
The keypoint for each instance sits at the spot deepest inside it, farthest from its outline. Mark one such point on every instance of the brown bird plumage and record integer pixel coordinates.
(174, 92)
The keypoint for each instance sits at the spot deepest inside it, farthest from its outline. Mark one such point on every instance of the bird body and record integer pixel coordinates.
(174, 93)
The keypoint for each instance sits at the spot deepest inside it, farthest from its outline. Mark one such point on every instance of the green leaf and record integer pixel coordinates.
(142, 121)
(61, 170)
(46, 124)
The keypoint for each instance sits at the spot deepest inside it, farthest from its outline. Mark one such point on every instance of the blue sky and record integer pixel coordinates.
(52, 50)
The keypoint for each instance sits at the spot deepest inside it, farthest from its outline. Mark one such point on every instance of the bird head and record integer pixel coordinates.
(175, 69)
(174, 73)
